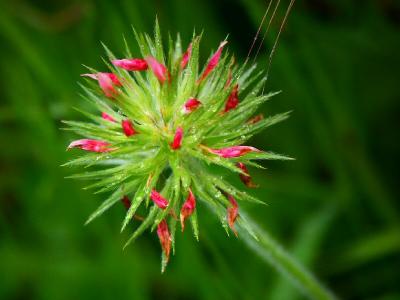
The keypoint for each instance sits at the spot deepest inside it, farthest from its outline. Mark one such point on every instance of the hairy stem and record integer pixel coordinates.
(273, 253)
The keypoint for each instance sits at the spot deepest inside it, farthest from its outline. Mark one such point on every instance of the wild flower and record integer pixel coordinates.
(164, 128)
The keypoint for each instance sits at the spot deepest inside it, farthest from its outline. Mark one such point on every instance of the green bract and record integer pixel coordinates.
(145, 161)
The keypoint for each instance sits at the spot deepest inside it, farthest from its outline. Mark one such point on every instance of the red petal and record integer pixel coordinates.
(91, 145)
(213, 61)
(127, 203)
(159, 200)
(107, 117)
(114, 79)
(245, 178)
(187, 208)
(177, 142)
(232, 213)
(233, 99)
(127, 126)
(133, 64)
(190, 105)
(159, 70)
(186, 56)
(165, 237)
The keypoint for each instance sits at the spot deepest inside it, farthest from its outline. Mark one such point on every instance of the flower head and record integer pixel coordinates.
(179, 160)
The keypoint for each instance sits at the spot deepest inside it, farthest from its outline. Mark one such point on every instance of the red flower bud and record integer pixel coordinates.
(159, 70)
(159, 200)
(133, 64)
(177, 142)
(245, 178)
(234, 151)
(213, 62)
(107, 117)
(127, 126)
(91, 145)
(190, 105)
(187, 208)
(255, 119)
(232, 213)
(233, 99)
(164, 237)
(186, 56)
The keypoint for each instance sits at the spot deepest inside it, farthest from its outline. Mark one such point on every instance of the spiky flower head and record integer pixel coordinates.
(164, 123)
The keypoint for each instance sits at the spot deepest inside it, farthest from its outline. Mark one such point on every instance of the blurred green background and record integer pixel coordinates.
(335, 208)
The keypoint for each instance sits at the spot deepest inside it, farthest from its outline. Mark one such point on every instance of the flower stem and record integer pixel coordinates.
(273, 253)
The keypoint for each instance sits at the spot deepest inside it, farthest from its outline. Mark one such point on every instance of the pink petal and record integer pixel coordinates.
(233, 99)
(232, 213)
(106, 82)
(127, 126)
(187, 208)
(112, 76)
(164, 237)
(186, 56)
(107, 85)
(245, 178)
(91, 145)
(190, 105)
(234, 151)
(159, 70)
(107, 117)
(133, 64)
(213, 61)
(177, 142)
(159, 200)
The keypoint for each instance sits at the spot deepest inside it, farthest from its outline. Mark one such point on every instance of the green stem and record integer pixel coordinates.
(273, 253)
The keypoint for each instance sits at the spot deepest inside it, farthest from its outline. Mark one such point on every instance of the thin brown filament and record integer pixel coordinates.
(279, 33)
(267, 30)
(258, 32)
